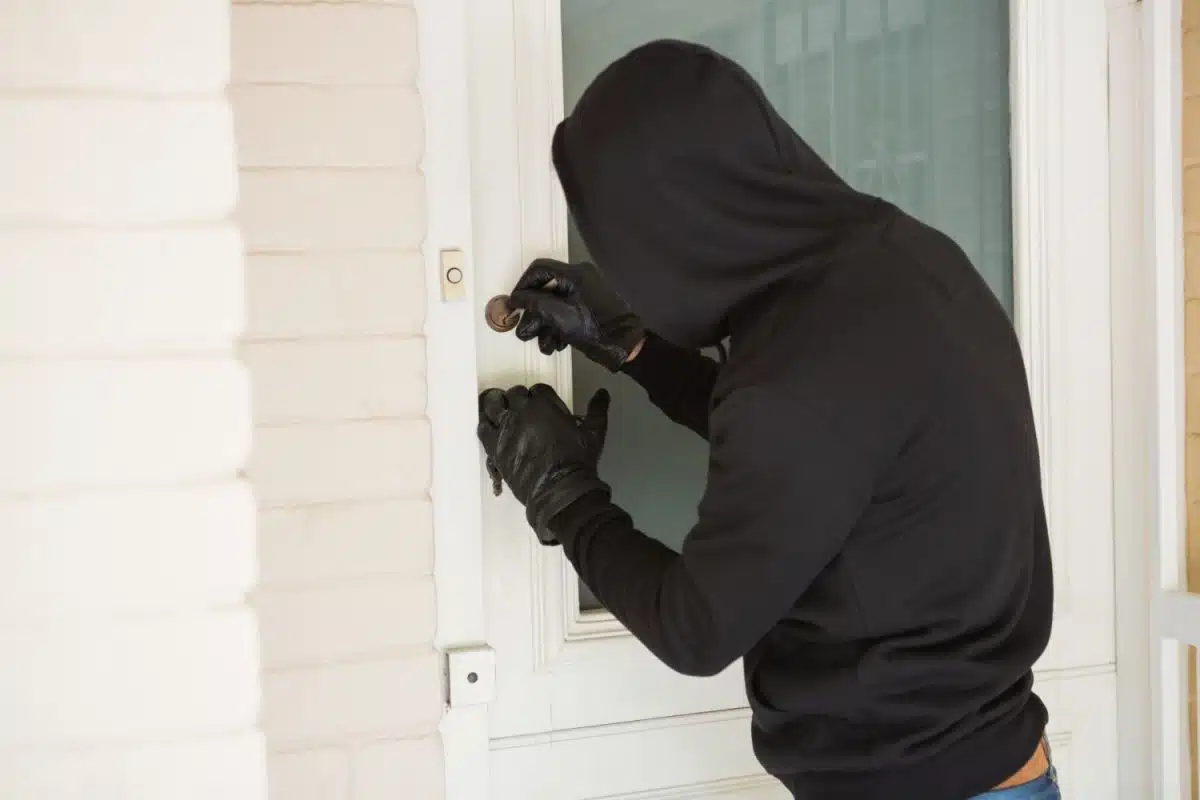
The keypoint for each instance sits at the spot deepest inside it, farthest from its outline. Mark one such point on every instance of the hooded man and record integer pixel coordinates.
(872, 537)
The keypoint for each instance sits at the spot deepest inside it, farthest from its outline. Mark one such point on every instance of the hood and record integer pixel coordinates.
(692, 194)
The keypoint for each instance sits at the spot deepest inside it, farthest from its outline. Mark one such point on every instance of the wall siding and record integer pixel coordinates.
(127, 543)
(330, 137)
(1190, 137)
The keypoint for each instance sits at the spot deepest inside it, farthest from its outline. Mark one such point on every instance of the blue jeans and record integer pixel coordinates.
(1044, 788)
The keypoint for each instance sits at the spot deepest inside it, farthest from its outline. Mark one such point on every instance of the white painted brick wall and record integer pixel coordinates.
(353, 703)
(315, 126)
(382, 770)
(300, 295)
(330, 134)
(66, 154)
(359, 44)
(359, 378)
(131, 661)
(122, 300)
(322, 543)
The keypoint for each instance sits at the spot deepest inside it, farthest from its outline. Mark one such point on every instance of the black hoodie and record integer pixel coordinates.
(872, 537)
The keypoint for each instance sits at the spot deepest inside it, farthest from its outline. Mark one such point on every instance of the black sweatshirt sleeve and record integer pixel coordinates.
(772, 517)
(678, 380)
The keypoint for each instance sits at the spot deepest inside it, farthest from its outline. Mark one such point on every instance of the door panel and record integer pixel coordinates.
(900, 115)
(908, 100)
(674, 759)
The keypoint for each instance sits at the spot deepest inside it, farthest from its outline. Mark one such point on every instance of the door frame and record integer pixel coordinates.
(1174, 613)
(456, 476)
(457, 482)
(1134, 390)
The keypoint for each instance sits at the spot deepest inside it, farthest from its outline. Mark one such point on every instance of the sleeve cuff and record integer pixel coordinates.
(591, 510)
(648, 358)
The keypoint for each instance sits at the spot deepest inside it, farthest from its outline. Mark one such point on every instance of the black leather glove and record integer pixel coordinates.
(545, 454)
(580, 310)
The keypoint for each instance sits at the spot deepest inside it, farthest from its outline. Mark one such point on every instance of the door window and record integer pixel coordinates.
(907, 99)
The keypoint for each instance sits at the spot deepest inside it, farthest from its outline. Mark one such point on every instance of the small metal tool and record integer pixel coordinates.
(501, 316)
(497, 479)
(493, 471)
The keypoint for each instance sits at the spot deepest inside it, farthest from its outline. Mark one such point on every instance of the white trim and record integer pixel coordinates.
(1164, 251)
(449, 326)
(1062, 294)
(1133, 398)
(451, 376)
(1035, 132)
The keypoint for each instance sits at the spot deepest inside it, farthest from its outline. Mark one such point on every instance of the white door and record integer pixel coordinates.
(987, 118)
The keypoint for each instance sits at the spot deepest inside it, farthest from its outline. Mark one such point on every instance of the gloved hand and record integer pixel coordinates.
(546, 454)
(580, 310)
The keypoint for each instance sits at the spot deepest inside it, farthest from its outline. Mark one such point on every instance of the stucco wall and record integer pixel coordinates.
(329, 136)
(130, 660)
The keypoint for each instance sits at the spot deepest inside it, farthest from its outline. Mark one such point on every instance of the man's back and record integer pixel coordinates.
(907, 661)
(871, 537)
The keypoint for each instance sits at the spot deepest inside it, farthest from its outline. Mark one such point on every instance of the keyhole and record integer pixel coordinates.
(472, 677)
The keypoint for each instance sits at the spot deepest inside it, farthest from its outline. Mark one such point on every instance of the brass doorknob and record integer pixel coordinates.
(499, 315)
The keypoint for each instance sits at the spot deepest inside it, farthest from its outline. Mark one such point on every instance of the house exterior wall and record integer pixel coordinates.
(1190, 138)
(1190, 55)
(330, 136)
(130, 659)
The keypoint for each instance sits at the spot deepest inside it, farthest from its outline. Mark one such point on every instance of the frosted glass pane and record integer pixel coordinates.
(907, 99)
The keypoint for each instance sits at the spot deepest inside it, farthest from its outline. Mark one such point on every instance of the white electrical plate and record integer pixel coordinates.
(472, 676)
